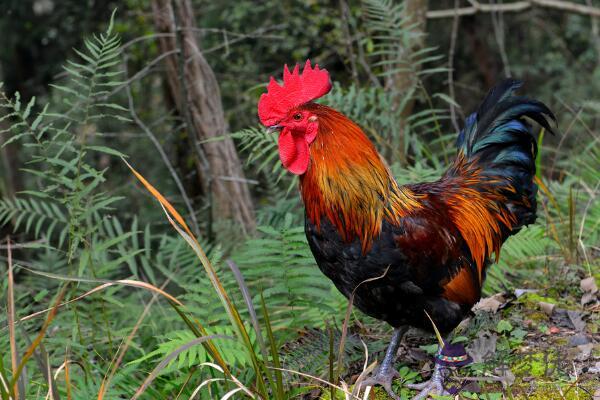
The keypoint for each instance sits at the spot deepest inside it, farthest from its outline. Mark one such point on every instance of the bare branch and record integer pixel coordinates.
(477, 7)
(345, 13)
(163, 156)
(498, 24)
(453, 38)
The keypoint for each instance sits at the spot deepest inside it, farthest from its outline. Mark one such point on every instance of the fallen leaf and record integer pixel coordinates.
(576, 320)
(547, 308)
(560, 318)
(589, 288)
(554, 330)
(579, 339)
(484, 347)
(585, 351)
(472, 387)
(595, 369)
(418, 355)
(587, 298)
(490, 304)
(588, 285)
(506, 376)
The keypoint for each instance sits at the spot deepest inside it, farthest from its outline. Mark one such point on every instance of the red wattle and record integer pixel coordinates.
(293, 151)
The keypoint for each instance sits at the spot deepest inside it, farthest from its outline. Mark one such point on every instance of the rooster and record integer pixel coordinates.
(411, 254)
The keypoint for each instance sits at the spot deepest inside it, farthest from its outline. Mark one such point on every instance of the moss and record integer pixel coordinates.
(377, 393)
(536, 364)
(561, 341)
(534, 299)
(538, 316)
(550, 391)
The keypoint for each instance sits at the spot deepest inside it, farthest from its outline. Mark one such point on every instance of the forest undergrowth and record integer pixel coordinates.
(108, 293)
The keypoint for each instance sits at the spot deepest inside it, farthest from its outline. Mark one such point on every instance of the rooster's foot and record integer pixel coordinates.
(386, 373)
(383, 378)
(434, 386)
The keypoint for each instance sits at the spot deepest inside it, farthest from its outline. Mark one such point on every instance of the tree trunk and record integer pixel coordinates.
(10, 158)
(482, 55)
(195, 89)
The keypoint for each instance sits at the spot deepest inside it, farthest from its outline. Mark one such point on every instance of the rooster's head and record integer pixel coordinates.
(287, 108)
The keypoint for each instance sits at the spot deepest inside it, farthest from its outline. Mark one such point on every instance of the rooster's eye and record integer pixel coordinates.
(297, 117)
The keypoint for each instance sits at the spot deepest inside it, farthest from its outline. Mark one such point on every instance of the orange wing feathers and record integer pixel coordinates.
(478, 207)
(352, 187)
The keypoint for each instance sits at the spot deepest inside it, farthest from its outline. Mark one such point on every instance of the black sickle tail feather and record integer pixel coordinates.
(499, 139)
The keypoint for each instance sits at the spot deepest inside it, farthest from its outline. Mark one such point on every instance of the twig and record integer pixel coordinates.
(595, 31)
(515, 7)
(345, 13)
(141, 73)
(342, 342)
(14, 355)
(582, 225)
(563, 137)
(124, 346)
(240, 36)
(453, 37)
(498, 25)
(164, 157)
(578, 118)
(10, 245)
(147, 68)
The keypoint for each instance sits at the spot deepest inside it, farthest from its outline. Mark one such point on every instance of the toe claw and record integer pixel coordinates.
(383, 379)
(433, 386)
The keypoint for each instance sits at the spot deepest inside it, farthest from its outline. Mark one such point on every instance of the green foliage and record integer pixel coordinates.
(279, 266)
(530, 246)
(79, 221)
(233, 352)
(67, 211)
(391, 35)
(310, 352)
(68, 184)
(402, 60)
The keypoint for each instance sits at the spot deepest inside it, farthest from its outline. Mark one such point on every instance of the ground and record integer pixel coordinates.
(541, 343)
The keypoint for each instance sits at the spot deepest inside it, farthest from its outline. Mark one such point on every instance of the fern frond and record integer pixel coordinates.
(280, 266)
(40, 217)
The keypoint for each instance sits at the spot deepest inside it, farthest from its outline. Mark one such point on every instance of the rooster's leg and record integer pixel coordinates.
(434, 386)
(385, 372)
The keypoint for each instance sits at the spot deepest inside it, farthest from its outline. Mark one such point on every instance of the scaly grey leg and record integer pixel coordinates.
(385, 372)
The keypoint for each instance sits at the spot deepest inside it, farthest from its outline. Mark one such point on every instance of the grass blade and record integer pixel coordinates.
(170, 358)
(184, 231)
(274, 350)
(39, 337)
(14, 389)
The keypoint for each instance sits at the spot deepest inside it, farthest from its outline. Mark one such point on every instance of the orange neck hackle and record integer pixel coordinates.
(347, 181)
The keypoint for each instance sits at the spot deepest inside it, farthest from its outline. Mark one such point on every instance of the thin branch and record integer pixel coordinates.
(141, 73)
(477, 7)
(498, 25)
(453, 37)
(148, 67)
(164, 157)
(595, 31)
(345, 13)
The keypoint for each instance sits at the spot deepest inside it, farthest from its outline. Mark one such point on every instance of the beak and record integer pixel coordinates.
(274, 128)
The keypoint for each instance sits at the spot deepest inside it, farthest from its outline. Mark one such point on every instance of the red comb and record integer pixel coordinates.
(297, 89)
